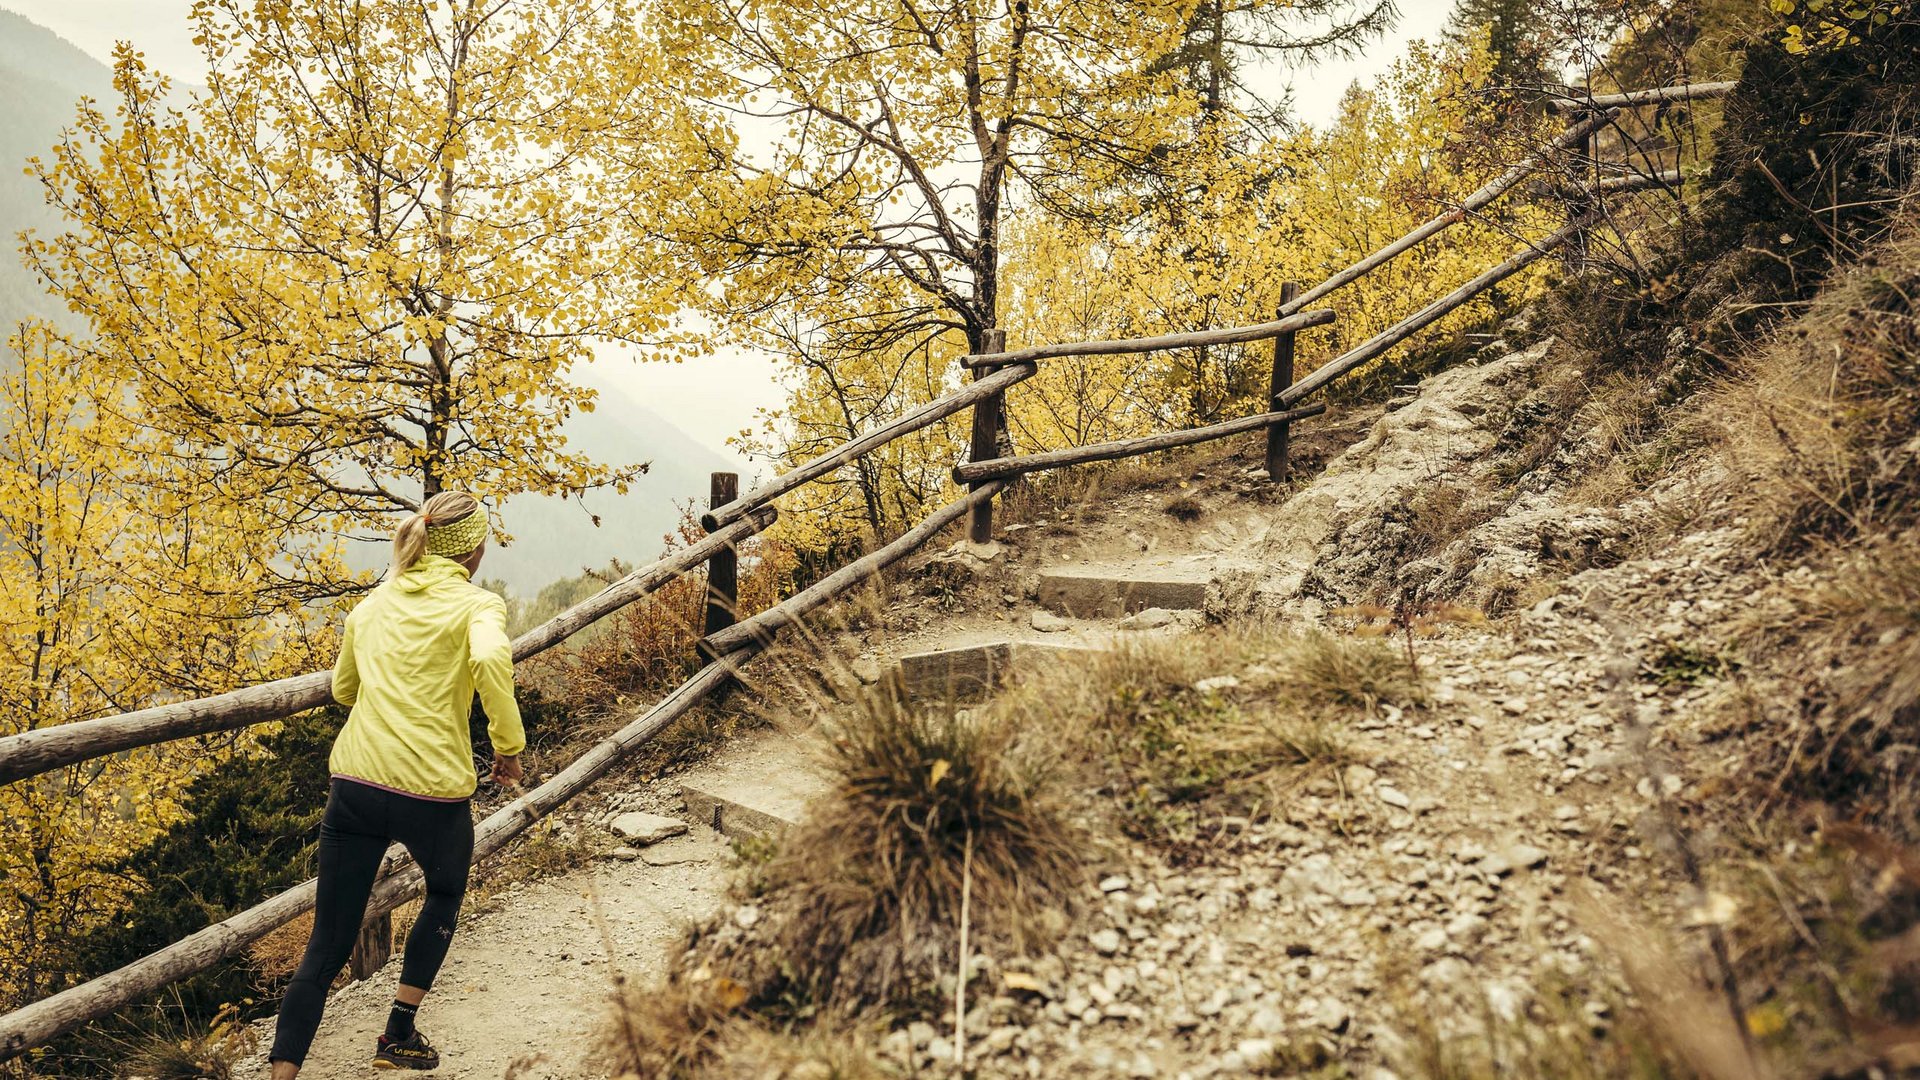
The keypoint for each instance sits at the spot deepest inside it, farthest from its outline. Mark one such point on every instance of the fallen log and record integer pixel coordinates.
(995, 468)
(41, 750)
(1629, 99)
(931, 413)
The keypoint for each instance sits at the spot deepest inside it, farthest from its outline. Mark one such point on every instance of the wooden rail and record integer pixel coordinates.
(995, 468)
(1658, 95)
(1279, 435)
(931, 413)
(1405, 328)
(726, 647)
(33, 752)
(761, 628)
(1612, 185)
(1287, 324)
(1572, 138)
(400, 880)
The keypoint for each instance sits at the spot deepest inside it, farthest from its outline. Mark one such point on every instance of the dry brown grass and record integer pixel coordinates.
(1660, 1021)
(1843, 678)
(871, 884)
(176, 1049)
(695, 1028)
(1441, 513)
(649, 646)
(1821, 423)
(1179, 759)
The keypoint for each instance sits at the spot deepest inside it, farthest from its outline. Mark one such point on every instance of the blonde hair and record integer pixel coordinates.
(410, 539)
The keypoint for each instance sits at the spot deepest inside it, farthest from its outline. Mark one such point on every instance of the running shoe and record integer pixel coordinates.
(412, 1052)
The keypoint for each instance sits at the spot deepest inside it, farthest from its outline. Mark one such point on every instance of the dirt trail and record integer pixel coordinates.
(1440, 864)
(527, 980)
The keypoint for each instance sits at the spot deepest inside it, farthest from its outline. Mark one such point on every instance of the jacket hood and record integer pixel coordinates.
(431, 570)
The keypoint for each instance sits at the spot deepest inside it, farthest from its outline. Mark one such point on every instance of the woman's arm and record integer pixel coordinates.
(346, 675)
(491, 655)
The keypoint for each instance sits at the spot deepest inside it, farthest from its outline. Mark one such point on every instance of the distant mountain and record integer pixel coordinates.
(555, 538)
(42, 77)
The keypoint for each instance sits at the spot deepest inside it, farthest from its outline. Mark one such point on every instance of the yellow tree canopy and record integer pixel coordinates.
(360, 263)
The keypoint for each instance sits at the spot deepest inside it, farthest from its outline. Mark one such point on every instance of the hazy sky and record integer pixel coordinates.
(715, 398)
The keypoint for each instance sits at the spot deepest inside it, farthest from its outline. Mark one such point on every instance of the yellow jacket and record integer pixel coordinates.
(414, 653)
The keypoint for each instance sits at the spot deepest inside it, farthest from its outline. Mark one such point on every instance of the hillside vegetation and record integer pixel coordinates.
(1563, 724)
(1651, 555)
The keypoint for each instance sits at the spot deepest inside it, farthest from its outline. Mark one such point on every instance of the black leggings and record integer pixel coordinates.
(361, 820)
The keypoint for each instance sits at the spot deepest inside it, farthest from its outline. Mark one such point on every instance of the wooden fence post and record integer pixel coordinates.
(1278, 434)
(723, 569)
(988, 416)
(373, 948)
(1579, 202)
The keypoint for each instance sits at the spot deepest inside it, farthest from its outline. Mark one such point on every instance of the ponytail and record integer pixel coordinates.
(409, 542)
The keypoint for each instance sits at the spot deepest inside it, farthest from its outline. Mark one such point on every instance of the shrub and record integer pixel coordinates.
(181, 1050)
(927, 803)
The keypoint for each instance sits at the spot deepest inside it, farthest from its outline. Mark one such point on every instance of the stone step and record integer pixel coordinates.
(1094, 593)
(756, 791)
(971, 672)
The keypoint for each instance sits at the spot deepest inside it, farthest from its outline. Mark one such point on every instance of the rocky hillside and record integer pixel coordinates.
(1534, 734)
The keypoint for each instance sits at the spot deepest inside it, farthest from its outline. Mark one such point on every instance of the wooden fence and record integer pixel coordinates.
(733, 518)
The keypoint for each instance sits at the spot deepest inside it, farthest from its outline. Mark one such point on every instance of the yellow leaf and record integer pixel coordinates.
(1020, 980)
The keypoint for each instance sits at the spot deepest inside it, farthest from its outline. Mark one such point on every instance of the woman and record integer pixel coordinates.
(414, 654)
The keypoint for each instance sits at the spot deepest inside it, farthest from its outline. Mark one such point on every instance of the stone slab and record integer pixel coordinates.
(760, 790)
(971, 672)
(641, 828)
(1096, 594)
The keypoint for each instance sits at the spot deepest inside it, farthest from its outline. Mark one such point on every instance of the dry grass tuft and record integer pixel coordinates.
(1855, 626)
(1178, 757)
(822, 1051)
(697, 1028)
(174, 1050)
(1441, 513)
(1822, 423)
(1185, 508)
(1330, 669)
(669, 1033)
(871, 883)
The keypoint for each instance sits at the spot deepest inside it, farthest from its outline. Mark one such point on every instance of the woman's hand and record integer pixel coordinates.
(506, 770)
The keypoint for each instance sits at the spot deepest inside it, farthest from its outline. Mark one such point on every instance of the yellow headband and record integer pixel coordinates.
(457, 537)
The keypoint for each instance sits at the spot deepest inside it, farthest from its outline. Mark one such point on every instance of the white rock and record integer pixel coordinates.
(1513, 857)
(641, 828)
(1466, 927)
(1048, 623)
(1216, 684)
(1393, 797)
(1332, 1015)
(1115, 883)
(1105, 942)
(746, 918)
